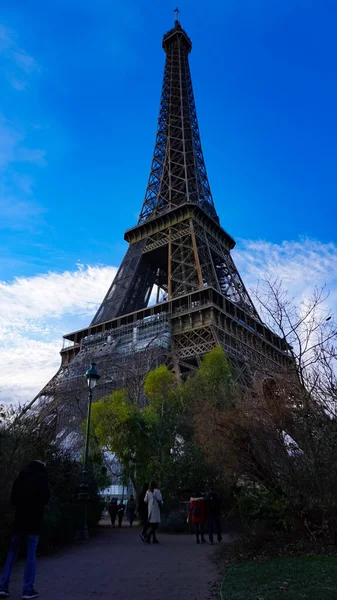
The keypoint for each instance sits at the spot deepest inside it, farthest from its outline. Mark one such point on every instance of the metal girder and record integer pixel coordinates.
(227, 277)
(195, 342)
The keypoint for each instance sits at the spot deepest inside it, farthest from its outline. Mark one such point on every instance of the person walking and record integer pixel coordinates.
(131, 509)
(154, 500)
(120, 512)
(198, 516)
(30, 493)
(214, 516)
(143, 512)
(112, 510)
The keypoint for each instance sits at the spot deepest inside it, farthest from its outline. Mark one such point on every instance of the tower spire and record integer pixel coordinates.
(176, 15)
(178, 172)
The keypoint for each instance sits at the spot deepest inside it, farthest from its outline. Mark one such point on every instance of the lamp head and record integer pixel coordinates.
(92, 376)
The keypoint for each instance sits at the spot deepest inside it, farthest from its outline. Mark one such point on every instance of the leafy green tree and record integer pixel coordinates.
(141, 438)
(119, 427)
(164, 416)
(157, 441)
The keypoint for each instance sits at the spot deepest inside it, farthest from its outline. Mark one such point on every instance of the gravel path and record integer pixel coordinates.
(117, 565)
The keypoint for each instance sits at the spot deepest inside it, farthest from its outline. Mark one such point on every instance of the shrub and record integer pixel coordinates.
(26, 439)
(260, 510)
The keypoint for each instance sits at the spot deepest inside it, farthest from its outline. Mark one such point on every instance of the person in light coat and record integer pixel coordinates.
(154, 500)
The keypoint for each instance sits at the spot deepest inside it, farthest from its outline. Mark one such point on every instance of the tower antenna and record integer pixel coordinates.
(176, 13)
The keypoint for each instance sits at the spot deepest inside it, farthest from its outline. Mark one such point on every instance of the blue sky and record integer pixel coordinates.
(79, 96)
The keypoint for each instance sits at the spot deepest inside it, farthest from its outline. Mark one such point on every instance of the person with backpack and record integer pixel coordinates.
(30, 493)
(198, 516)
(131, 509)
(214, 516)
(154, 500)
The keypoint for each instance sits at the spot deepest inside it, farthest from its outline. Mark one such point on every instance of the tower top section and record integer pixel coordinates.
(177, 33)
(178, 172)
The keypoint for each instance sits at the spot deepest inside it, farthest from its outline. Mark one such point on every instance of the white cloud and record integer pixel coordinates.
(55, 294)
(36, 311)
(27, 365)
(34, 314)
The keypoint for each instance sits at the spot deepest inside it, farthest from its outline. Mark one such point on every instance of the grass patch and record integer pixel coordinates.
(283, 578)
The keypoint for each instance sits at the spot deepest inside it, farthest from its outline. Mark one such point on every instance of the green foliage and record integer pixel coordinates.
(215, 368)
(187, 471)
(307, 577)
(161, 387)
(213, 381)
(64, 512)
(158, 440)
(258, 506)
(155, 441)
(119, 426)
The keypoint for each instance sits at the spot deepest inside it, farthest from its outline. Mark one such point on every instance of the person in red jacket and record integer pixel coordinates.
(198, 516)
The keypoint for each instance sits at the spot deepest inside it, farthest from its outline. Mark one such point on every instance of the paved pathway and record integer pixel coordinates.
(116, 565)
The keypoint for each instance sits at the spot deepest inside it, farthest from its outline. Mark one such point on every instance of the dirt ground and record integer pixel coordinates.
(116, 564)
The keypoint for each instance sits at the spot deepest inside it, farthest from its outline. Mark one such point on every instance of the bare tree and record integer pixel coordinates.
(310, 331)
(281, 435)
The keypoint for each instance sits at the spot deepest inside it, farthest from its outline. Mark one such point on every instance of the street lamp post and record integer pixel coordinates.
(83, 496)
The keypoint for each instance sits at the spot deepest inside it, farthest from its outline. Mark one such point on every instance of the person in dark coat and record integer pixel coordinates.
(131, 509)
(30, 494)
(214, 516)
(143, 512)
(120, 512)
(112, 509)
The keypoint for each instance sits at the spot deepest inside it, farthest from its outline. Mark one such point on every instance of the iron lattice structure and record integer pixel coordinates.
(178, 244)
(179, 251)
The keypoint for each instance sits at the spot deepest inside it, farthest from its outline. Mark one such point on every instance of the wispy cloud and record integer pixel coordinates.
(13, 148)
(18, 65)
(36, 311)
(19, 85)
(18, 214)
(18, 209)
(300, 265)
(18, 158)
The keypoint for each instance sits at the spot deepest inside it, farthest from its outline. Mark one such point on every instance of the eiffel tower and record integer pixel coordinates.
(177, 291)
